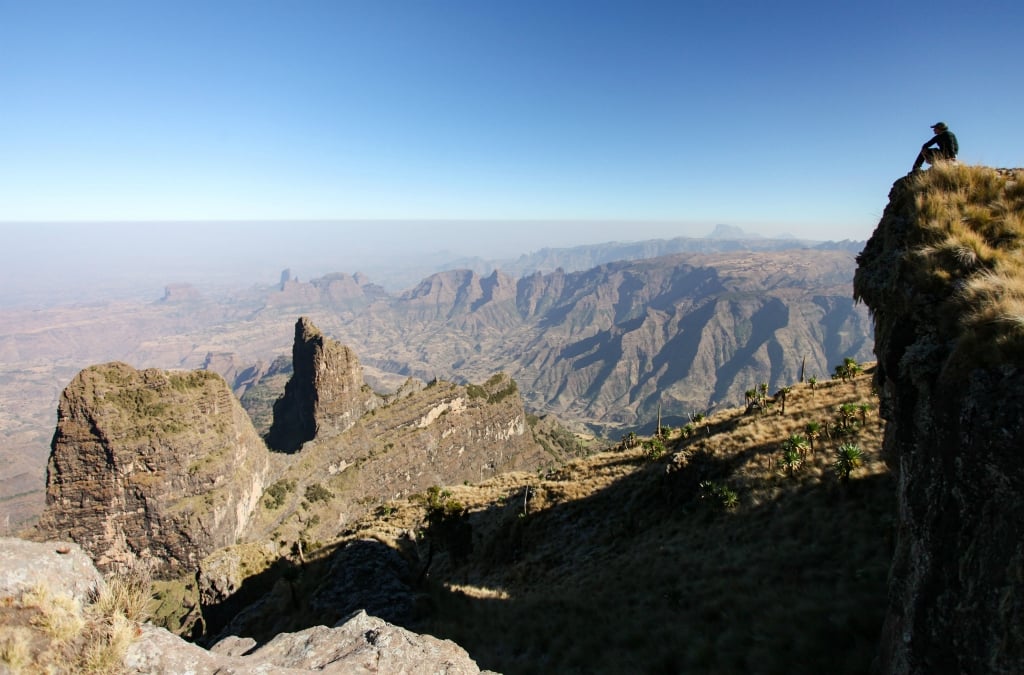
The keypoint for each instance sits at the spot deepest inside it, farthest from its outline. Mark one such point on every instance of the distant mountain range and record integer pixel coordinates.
(610, 346)
(598, 339)
(724, 239)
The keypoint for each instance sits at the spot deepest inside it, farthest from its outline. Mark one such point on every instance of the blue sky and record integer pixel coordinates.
(779, 117)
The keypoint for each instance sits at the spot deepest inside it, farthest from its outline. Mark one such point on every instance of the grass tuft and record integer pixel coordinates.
(47, 632)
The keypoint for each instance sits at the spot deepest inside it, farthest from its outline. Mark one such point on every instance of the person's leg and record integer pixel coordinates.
(927, 155)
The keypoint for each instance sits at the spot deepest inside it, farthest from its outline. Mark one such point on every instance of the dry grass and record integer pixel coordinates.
(46, 632)
(619, 563)
(968, 248)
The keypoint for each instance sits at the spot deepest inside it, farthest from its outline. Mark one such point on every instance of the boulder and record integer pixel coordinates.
(62, 566)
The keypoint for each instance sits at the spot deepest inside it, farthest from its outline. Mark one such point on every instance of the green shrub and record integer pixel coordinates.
(718, 495)
(654, 448)
(318, 493)
(791, 460)
(848, 457)
(275, 495)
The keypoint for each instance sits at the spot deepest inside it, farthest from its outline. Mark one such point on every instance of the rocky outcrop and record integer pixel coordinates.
(180, 293)
(359, 643)
(944, 280)
(325, 395)
(442, 434)
(340, 291)
(156, 466)
(61, 566)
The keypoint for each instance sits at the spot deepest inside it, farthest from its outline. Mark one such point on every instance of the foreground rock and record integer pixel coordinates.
(60, 565)
(154, 466)
(359, 644)
(943, 278)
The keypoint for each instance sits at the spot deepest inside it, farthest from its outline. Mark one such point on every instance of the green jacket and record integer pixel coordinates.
(946, 142)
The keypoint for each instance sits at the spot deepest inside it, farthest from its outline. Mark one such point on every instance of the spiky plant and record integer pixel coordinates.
(848, 457)
(790, 460)
(798, 443)
(813, 431)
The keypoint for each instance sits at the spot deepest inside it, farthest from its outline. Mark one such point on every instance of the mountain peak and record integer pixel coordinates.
(156, 466)
(730, 232)
(326, 390)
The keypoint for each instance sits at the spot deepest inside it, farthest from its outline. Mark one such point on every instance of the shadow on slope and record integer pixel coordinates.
(623, 563)
(648, 573)
(645, 577)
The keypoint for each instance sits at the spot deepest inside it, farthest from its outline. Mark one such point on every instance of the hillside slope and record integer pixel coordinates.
(626, 560)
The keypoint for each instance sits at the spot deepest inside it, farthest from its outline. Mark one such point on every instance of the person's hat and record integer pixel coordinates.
(940, 126)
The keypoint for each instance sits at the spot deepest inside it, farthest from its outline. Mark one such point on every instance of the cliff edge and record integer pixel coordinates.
(943, 276)
(155, 466)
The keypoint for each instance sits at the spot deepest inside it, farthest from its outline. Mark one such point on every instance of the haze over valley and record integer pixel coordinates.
(601, 336)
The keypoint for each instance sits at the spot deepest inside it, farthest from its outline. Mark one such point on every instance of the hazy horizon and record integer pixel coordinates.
(44, 261)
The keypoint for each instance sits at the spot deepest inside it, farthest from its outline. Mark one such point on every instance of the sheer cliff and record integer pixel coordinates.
(325, 395)
(153, 466)
(943, 276)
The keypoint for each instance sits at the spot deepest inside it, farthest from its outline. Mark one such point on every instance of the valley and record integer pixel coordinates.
(603, 349)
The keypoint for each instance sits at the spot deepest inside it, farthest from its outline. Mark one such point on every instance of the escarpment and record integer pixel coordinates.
(166, 468)
(365, 449)
(154, 466)
(943, 276)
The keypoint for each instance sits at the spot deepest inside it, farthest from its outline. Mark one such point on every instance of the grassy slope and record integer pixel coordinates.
(616, 564)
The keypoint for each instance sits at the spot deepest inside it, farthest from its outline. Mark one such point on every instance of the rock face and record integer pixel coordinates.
(326, 393)
(158, 466)
(943, 278)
